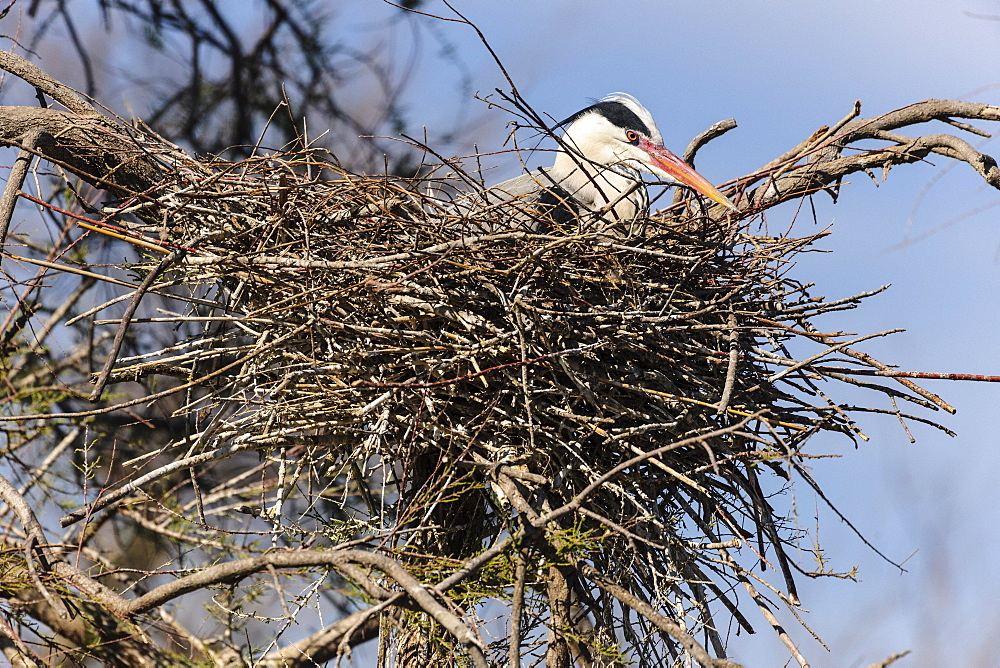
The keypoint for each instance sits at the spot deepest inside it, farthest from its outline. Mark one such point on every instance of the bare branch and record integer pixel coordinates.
(60, 92)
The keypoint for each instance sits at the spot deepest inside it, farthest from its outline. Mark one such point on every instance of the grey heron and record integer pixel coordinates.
(603, 149)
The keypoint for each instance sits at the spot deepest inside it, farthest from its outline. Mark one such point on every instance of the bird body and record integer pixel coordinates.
(597, 168)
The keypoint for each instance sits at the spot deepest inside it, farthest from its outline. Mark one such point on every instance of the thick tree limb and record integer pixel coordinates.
(34, 75)
(826, 165)
(53, 612)
(341, 560)
(80, 139)
(118, 643)
(89, 146)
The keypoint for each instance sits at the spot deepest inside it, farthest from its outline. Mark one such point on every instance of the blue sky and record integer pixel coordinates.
(782, 69)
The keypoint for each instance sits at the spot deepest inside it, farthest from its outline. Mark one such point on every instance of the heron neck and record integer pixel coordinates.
(595, 186)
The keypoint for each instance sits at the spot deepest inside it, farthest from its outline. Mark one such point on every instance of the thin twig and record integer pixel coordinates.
(119, 339)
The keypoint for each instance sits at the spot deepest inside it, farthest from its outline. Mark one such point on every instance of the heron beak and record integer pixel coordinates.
(677, 169)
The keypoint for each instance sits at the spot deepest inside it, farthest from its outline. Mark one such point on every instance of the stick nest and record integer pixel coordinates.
(382, 335)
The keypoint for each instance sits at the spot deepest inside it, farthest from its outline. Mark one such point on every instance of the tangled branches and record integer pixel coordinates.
(585, 427)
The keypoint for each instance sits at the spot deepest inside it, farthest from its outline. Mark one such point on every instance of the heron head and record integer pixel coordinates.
(618, 131)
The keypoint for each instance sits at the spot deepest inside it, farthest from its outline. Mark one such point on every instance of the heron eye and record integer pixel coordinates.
(632, 137)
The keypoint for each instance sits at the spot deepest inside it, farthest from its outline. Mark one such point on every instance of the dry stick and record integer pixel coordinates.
(713, 131)
(111, 497)
(801, 179)
(923, 375)
(517, 605)
(218, 453)
(23, 657)
(734, 354)
(151, 397)
(325, 644)
(107, 598)
(8, 201)
(871, 361)
(902, 420)
(116, 345)
(578, 499)
(60, 312)
(920, 112)
(802, 471)
(722, 596)
(341, 560)
(816, 176)
(108, 229)
(37, 342)
(375, 261)
(846, 375)
(360, 619)
(67, 269)
(696, 402)
(812, 143)
(482, 372)
(832, 348)
(772, 620)
(107, 279)
(515, 97)
(893, 658)
(668, 626)
(765, 509)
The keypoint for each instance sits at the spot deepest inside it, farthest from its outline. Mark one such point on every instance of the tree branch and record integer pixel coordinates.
(58, 91)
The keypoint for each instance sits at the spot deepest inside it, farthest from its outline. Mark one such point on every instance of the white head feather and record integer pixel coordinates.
(598, 165)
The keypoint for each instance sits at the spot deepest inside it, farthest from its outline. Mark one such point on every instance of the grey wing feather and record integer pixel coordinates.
(509, 202)
(521, 187)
